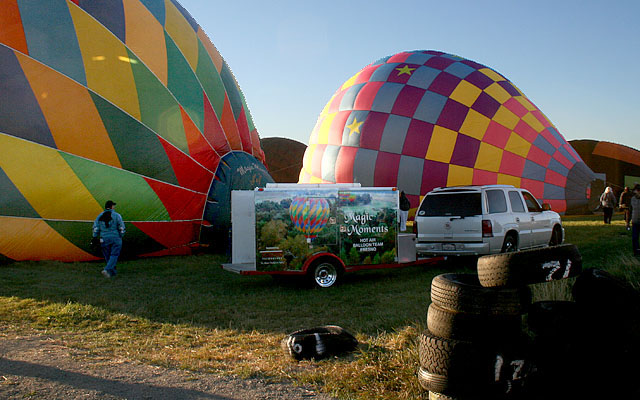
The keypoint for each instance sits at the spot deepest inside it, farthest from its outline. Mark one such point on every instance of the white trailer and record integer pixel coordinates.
(317, 230)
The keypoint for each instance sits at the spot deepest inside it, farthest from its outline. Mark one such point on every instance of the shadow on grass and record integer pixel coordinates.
(194, 290)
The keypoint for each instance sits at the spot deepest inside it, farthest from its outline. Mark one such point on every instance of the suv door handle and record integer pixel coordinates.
(533, 218)
(517, 219)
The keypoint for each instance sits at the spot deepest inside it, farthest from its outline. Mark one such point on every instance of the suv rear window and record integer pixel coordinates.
(444, 205)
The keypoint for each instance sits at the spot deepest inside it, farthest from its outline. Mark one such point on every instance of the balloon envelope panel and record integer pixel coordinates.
(125, 100)
(424, 119)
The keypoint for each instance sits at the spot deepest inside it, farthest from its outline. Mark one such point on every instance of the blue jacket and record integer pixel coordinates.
(115, 228)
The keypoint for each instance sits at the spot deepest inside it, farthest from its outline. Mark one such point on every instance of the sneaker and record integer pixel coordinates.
(106, 273)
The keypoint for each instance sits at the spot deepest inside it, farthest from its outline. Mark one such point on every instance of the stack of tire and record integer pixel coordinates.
(475, 346)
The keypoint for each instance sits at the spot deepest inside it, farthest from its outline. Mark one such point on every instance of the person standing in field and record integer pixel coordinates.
(625, 205)
(608, 203)
(108, 228)
(635, 220)
(405, 206)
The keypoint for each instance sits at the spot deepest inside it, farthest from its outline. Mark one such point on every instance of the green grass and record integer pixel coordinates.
(186, 312)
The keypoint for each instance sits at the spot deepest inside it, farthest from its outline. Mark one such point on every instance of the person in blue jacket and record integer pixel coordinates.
(109, 228)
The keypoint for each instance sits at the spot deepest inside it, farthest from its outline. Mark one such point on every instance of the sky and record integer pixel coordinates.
(578, 61)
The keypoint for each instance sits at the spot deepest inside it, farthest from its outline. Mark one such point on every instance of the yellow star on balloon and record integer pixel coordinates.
(354, 126)
(405, 70)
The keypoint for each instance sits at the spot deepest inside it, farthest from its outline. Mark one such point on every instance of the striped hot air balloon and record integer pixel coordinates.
(424, 119)
(125, 100)
(309, 215)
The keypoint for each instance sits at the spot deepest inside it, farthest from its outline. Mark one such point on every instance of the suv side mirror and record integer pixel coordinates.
(546, 207)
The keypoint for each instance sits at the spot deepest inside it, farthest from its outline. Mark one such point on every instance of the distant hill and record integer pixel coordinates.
(283, 158)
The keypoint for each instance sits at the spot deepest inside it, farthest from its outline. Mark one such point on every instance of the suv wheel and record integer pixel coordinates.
(510, 243)
(556, 236)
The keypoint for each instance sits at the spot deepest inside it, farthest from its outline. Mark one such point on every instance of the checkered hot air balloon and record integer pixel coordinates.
(424, 119)
(125, 100)
(309, 215)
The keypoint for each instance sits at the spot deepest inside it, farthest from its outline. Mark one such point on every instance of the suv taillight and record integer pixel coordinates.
(487, 229)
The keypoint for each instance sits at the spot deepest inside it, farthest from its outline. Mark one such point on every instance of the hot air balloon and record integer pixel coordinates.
(125, 100)
(283, 157)
(309, 215)
(424, 119)
(616, 165)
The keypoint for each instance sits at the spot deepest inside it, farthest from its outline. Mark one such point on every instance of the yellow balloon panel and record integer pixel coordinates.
(489, 157)
(459, 176)
(107, 63)
(182, 33)
(475, 125)
(145, 37)
(29, 165)
(442, 144)
(33, 239)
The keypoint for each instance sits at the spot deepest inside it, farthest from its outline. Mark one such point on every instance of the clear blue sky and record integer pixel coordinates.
(578, 61)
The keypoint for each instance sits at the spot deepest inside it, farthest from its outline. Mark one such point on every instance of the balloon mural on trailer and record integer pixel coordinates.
(125, 100)
(309, 215)
(425, 119)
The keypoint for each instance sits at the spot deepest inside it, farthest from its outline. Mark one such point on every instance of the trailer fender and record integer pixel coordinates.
(314, 257)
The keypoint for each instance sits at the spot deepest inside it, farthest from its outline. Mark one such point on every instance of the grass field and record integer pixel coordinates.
(186, 312)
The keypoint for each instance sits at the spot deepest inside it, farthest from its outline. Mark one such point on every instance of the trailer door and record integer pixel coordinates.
(243, 227)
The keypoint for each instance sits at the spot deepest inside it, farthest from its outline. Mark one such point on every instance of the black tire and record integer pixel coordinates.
(529, 266)
(451, 366)
(318, 343)
(463, 293)
(461, 368)
(599, 289)
(556, 236)
(325, 273)
(558, 320)
(472, 326)
(510, 243)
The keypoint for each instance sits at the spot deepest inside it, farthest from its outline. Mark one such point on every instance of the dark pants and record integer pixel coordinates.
(635, 234)
(608, 213)
(627, 216)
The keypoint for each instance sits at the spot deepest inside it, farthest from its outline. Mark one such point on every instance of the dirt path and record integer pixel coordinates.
(42, 367)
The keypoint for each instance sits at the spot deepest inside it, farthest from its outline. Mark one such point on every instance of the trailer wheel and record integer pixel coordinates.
(325, 273)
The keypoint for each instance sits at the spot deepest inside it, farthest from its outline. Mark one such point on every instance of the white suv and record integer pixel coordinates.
(477, 220)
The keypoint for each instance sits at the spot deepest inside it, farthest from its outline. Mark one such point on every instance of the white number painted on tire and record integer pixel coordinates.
(517, 369)
(320, 348)
(567, 269)
(554, 266)
(498, 367)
